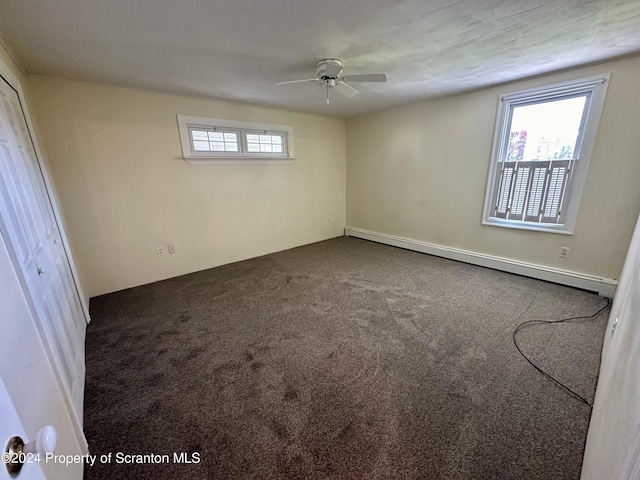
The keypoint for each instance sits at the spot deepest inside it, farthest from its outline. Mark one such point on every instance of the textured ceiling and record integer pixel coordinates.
(239, 49)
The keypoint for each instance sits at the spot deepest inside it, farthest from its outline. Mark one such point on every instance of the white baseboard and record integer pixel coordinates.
(603, 286)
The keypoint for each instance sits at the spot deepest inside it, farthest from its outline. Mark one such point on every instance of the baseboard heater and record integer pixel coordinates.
(603, 286)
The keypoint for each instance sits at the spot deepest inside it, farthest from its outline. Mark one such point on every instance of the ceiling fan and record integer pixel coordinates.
(329, 70)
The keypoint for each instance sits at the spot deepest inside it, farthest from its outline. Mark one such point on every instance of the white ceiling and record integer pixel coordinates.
(238, 49)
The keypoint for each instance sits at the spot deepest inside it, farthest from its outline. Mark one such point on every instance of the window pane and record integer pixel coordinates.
(201, 146)
(265, 138)
(276, 139)
(253, 147)
(265, 148)
(230, 137)
(198, 135)
(545, 131)
(217, 146)
(216, 136)
(252, 138)
(232, 147)
(277, 148)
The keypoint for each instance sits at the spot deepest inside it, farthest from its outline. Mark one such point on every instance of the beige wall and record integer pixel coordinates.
(420, 172)
(114, 154)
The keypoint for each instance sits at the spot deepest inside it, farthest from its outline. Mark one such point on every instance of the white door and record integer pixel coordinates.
(29, 227)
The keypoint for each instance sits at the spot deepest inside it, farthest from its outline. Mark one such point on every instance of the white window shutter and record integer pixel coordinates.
(505, 186)
(558, 175)
(537, 190)
(520, 189)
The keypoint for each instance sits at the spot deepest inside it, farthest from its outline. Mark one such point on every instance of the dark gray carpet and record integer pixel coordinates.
(337, 360)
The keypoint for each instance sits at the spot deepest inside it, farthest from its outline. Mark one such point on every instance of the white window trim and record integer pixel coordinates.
(223, 130)
(597, 85)
(203, 157)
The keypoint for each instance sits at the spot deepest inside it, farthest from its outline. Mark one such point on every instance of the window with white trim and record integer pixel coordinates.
(265, 142)
(215, 140)
(540, 156)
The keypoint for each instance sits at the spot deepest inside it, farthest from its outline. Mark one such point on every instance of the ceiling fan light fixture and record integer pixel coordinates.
(328, 73)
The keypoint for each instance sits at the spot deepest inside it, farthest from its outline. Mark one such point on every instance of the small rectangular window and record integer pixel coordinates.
(266, 142)
(214, 140)
(211, 140)
(541, 151)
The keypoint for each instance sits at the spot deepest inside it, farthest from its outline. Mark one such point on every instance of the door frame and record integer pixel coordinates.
(13, 81)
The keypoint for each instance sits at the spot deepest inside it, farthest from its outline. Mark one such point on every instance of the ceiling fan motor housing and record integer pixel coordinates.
(328, 68)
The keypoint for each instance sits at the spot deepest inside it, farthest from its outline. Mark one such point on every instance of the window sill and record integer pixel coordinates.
(536, 227)
(236, 159)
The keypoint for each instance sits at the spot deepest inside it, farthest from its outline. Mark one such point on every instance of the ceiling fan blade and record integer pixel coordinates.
(370, 77)
(346, 89)
(298, 81)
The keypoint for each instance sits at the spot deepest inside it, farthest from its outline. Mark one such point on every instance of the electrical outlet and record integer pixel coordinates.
(564, 252)
(171, 249)
(160, 251)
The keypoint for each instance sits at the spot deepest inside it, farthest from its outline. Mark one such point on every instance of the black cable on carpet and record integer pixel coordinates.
(550, 377)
